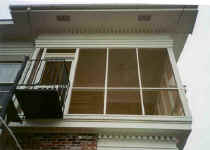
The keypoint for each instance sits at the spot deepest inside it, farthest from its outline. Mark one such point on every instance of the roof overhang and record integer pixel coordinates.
(31, 20)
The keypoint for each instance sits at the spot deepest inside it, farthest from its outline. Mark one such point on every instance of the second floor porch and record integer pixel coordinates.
(101, 81)
(130, 86)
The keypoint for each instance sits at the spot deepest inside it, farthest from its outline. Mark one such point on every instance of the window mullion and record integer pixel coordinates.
(106, 80)
(30, 67)
(140, 84)
(40, 68)
(71, 79)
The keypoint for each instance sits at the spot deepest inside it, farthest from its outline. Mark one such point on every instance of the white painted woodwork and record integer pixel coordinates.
(106, 79)
(118, 142)
(71, 79)
(113, 121)
(15, 51)
(102, 40)
(179, 83)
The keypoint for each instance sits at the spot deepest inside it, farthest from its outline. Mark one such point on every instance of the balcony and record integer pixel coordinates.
(43, 88)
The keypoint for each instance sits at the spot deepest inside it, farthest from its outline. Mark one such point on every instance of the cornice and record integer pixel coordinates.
(139, 137)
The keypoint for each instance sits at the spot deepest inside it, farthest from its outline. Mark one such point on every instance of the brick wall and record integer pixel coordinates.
(57, 141)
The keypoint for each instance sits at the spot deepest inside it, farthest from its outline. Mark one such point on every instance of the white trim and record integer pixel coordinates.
(71, 79)
(106, 80)
(103, 41)
(126, 118)
(31, 65)
(46, 56)
(96, 44)
(100, 122)
(126, 88)
(133, 142)
(65, 55)
(178, 81)
(40, 68)
(171, 11)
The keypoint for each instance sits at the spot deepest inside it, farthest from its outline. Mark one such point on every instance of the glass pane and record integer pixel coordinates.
(125, 102)
(8, 72)
(156, 69)
(87, 102)
(123, 71)
(91, 68)
(55, 73)
(163, 102)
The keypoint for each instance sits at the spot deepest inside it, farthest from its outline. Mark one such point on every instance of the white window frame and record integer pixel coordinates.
(180, 89)
(41, 66)
(46, 55)
(28, 69)
(71, 79)
(110, 40)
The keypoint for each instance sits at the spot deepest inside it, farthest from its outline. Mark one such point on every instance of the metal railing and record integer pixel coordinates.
(47, 74)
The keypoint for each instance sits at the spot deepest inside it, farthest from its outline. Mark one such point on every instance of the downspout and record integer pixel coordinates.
(28, 11)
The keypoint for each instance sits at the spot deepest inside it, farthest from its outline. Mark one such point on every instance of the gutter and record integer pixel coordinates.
(101, 7)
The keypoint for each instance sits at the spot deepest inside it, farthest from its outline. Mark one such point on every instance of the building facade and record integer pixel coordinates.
(95, 76)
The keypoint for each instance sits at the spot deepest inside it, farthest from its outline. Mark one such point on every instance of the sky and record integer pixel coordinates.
(194, 68)
(193, 64)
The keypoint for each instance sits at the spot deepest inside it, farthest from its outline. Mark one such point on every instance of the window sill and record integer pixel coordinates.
(111, 121)
(112, 124)
(107, 117)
